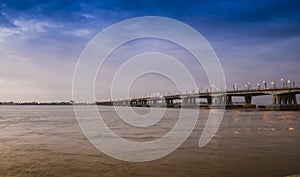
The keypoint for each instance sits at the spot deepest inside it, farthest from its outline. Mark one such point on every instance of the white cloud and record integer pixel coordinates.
(23, 27)
(88, 16)
(79, 32)
(34, 25)
(4, 31)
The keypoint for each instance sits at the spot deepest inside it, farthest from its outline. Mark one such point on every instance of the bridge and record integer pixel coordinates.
(281, 97)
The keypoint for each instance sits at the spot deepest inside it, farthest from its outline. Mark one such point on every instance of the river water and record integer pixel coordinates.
(47, 141)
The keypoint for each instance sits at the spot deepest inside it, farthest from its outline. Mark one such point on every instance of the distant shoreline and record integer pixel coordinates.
(43, 103)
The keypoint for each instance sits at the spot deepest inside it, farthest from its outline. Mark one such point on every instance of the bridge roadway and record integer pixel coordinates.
(281, 96)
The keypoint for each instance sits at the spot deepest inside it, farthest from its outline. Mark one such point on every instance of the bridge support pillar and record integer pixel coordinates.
(209, 100)
(285, 99)
(248, 99)
(294, 98)
(193, 100)
(152, 102)
(184, 101)
(223, 99)
(133, 103)
(188, 101)
(169, 102)
(229, 100)
(144, 103)
(220, 99)
(277, 99)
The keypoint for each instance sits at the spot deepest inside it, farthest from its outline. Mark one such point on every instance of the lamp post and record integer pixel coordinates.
(289, 82)
(235, 87)
(273, 84)
(294, 85)
(213, 88)
(265, 83)
(282, 83)
(249, 86)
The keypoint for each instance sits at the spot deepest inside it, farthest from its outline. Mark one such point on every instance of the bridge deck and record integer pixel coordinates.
(208, 95)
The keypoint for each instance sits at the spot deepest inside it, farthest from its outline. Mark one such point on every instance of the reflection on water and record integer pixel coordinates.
(46, 141)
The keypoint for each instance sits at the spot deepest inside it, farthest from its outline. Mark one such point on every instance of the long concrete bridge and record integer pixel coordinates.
(281, 97)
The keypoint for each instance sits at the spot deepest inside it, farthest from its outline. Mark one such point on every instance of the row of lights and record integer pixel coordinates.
(285, 84)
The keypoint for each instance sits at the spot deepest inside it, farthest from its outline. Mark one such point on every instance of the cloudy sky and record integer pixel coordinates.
(41, 41)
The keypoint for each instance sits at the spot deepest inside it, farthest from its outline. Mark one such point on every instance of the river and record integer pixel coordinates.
(47, 141)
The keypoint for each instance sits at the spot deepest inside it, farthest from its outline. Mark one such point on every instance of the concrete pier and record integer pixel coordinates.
(289, 98)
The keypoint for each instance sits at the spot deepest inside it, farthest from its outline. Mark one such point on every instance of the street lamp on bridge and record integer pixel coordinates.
(294, 85)
(235, 87)
(265, 83)
(273, 84)
(249, 86)
(206, 89)
(283, 84)
(258, 86)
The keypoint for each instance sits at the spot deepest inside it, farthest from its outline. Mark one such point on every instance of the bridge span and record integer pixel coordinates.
(281, 96)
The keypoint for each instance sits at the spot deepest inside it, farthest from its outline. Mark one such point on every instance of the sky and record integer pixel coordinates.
(41, 42)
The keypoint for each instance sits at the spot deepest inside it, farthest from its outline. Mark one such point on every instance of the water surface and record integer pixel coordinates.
(47, 141)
